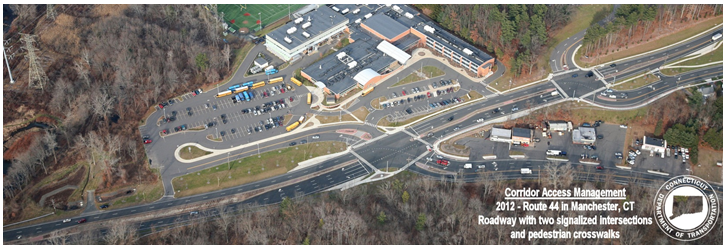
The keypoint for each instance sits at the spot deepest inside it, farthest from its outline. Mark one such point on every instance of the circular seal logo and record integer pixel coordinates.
(686, 208)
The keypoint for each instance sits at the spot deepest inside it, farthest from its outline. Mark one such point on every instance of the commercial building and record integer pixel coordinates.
(380, 36)
(654, 144)
(305, 34)
(522, 135)
(559, 126)
(584, 135)
(500, 135)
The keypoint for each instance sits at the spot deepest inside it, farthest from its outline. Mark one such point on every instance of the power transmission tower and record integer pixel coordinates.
(37, 74)
(50, 12)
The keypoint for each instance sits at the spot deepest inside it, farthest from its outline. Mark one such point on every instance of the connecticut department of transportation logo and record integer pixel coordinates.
(686, 208)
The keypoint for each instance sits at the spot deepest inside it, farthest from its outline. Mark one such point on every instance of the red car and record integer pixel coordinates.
(600, 168)
(165, 131)
(147, 141)
(161, 106)
(428, 94)
(82, 220)
(281, 90)
(403, 92)
(291, 99)
(442, 162)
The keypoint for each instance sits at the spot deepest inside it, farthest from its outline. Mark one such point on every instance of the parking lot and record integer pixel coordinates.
(229, 119)
(422, 98)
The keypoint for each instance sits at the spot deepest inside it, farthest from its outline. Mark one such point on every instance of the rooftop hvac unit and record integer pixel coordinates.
(299, 20)
(335, 8)
(291, 30)
(287, 40)
(306, 34)
(368, 15)
(358, 20)
(341, 55)
(409, 15)
(387, 5)
(306, 25)
(351, 64)
(344, 11)
(429, 29)
(396, 8)
(356, 11)
(467, 52)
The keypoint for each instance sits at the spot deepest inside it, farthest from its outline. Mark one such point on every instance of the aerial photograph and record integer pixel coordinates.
(298, 123)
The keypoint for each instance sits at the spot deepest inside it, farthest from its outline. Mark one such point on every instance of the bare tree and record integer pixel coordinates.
(120, 233)
(101, 104)
(50, 143)
(227, 53)
(82, 72)
(225, 219)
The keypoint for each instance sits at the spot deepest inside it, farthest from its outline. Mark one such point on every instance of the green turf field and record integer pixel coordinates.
(270, 13)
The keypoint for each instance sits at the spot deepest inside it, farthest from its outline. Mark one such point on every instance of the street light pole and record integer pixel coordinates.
(260, 20)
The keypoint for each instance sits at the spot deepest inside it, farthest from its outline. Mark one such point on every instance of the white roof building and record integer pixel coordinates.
(393, 51)
(364, 76)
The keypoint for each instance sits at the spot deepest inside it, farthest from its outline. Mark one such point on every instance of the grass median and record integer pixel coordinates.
(637, 82)
(375, 103)
(361, 113)
(712, 56)
(191, 152)
(252, 168)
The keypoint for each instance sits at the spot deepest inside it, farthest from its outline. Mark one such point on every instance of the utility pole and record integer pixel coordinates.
(37, 75)
(7, 63)
(50, 12)
(260, 20)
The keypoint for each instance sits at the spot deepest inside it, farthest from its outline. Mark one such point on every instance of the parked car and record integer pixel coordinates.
(302, 142)
(104, 206)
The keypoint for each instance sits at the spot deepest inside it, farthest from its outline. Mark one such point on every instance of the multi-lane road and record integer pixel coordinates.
(394, 149)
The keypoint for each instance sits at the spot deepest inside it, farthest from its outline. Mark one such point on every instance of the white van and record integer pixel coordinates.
(525, 171)
(468, 166)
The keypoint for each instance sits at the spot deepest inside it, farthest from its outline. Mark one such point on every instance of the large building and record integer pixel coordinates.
(500, 135)
(584, 135)
(304, 34)
(654, 144)
(522, 135)
(379, 35)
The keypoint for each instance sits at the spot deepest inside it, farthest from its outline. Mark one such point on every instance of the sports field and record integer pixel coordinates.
(247, 15)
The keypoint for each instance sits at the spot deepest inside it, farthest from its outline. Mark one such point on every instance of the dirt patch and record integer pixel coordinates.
(22, 143)
(109, 9)
(73, 179)
(63, 36)
(707, 164)
(455, 149)
(60, 199)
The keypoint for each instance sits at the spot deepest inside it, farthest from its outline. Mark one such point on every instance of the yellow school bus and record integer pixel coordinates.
(309, 98)
(276, 80)
(293, 126)
(295, 81)
(224, 93)
(365, 92)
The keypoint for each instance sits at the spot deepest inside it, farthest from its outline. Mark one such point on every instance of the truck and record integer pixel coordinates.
(555, 152)
(239, 97)
(554, 93)
(716, 37)
(246, 96)
(525, 171)
(296, 82)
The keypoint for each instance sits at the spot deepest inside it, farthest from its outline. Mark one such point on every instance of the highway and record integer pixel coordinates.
(393, 149)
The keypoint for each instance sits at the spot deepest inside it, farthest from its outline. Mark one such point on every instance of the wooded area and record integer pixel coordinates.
(516, 34)
(635, 23)
(107, 65)
(407, 209)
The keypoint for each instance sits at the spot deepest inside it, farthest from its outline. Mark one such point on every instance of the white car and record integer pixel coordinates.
(483, 166)
(638, 152)
(623, 126)
(479, 120)
(66, 220)
(316, 137)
